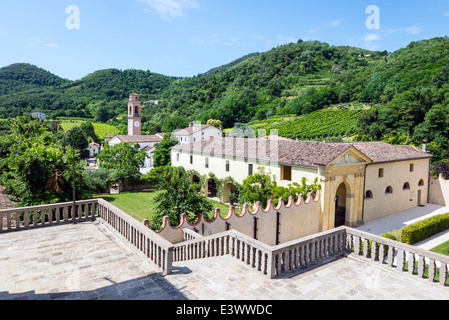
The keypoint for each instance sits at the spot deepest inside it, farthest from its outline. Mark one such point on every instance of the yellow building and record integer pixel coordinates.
(360, 181)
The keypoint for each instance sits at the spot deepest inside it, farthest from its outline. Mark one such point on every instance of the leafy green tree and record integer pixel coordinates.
(125, 159)
(32, 166)
(178, 198)
(88, 128)
(257, 187)
(162, 151)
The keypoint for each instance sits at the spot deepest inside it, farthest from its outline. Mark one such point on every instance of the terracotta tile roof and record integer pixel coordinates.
(190, 130)
(141, 138)
(299, 153)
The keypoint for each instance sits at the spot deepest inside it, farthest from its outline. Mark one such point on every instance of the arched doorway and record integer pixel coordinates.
(340, 206)
(229, 193)
(211, 188)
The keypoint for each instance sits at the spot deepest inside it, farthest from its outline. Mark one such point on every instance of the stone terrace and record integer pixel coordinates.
(89, 261)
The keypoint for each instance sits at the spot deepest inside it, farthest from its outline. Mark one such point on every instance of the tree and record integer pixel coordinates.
(81, 142)
(216, 123)
(257, 187)
(163, 150)
(125, 159)
(89, 131)
(178, 198)
(102, 114)
(32, 168)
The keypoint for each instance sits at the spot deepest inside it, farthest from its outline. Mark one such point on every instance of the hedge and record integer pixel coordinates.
(424, 229)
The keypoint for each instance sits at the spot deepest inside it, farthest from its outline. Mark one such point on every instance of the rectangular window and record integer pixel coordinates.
(250, 169)
(227, 166)
(191, 159)
(207, 162)
(381, 172)
(286, 173)
(177, 157)
(412, 167)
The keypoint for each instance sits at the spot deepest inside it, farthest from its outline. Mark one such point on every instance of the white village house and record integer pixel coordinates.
(196, 132)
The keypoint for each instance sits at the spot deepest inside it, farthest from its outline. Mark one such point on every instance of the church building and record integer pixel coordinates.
(145, 142)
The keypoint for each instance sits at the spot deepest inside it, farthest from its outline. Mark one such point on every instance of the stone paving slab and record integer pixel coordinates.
(87, 261)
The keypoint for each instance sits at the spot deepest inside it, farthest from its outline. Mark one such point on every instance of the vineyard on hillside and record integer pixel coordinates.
(101, 129)
(320, 124)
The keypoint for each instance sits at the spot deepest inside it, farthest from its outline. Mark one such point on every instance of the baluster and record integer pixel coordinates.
(356, 245)
(400, 260)
(411, 263)
(443, 274)
(366, 250)
(374, 251)
(390, 257)
(421, 266)
(432, 270)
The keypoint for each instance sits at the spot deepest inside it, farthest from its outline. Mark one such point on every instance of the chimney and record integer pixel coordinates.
(424, 145)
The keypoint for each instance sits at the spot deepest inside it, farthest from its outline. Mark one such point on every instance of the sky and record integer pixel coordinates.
(73, 38)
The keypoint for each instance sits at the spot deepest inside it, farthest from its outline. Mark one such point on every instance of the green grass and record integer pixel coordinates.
(442, 248)
(141, 205)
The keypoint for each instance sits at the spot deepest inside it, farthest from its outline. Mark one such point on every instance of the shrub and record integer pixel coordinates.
(424, 229)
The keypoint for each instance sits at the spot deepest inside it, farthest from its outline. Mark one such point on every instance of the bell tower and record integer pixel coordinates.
(134, 115)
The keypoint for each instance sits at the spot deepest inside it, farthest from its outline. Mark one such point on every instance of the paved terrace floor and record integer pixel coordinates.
(88, 261)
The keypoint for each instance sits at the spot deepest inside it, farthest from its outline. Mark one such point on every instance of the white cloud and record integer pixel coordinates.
(171, 8)
(214, 40)
(371, 37)
(285, 40)
(413, 30)
(446, 14)
(38, 42)
(336, 23)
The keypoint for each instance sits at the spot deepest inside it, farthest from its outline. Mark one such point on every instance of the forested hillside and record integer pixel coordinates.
(404, 94)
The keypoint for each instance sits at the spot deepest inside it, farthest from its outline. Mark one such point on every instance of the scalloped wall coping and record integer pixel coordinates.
(184, 221)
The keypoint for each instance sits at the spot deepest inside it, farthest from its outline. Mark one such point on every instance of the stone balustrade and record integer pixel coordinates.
(402, 257)
(156, 248)
(45, 215)
(273, 261)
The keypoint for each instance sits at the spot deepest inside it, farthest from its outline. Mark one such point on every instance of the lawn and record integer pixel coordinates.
(141, 206)
(442, 248)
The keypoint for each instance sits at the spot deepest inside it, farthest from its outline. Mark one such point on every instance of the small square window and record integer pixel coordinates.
(286, 173)
(381, 172)
(250, 170)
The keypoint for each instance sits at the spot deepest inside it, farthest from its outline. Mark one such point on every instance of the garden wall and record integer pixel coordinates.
(439, 191)
(273, 225)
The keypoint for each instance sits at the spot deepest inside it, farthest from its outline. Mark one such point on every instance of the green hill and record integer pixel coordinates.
(406, 89)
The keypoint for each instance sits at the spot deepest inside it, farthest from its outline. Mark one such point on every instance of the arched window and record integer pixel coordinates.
(369, 194)
(406, 186)
(421, 182)
(136, 113)
(389, 190)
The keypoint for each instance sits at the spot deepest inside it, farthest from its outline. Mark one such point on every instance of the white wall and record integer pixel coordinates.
(238, 168)
(396, 174)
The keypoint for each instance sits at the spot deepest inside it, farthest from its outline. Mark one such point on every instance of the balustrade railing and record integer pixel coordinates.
(156, 248)
(402, 257)
(274, 261)
(40, 216)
